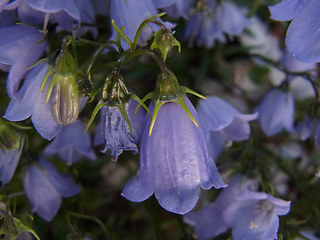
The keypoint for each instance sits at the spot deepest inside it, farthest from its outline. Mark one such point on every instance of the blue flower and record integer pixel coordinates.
(305, 128)
(276, 112)
(174, 161)
(71, 144)
(129, 14)
(213, 21)
(65, 13)
(222, 123)
(20, 47)
(302, 36)
(114, 131)
(8, 163)
(29, 101)
(255, 216)
(45, 187)
(208, 221)
(250, 214)
(179, 8)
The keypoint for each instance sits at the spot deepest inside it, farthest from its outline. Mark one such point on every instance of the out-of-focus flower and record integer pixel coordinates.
(276, 112)
(20, 47)
(45, 188)
(174, 161)
(250, 214)
(214, 20)
(129, 14)
(222, 123)
(305, 128)
(179, 8)
(208, 221)
(302, 36)
(71, 144)
(29, 101)
(11, 147)
(310, 235)
(255, 216)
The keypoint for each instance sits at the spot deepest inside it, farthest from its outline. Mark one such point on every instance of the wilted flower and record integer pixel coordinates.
(45, 187)
(302, 35)
(276, 112)
(20, 47)
(222, 123)
(117, 136)
(71, 144)
(174, 160)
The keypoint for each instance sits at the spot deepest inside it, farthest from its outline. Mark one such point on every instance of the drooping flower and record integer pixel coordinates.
(71, 144)
(302, 36)
(213, 21)
(120, 128)
(208, 221)
(129, 14)
(222, 123)
(30, 101)
(276, 112)
(305, 128)
(174, 160)
(250, 214)
(11, 145)
(45, 187)
(116, 131)
(20, 47)
(179, 8)
(255, 216)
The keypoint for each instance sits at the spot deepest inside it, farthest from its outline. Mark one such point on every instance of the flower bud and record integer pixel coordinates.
(65, 104)
(164, 41)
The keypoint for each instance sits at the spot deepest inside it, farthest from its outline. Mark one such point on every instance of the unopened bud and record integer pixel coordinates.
(65, 104)
(164, 41)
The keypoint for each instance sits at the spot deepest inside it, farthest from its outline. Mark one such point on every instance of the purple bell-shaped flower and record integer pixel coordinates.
(174, 161)
(45, 187)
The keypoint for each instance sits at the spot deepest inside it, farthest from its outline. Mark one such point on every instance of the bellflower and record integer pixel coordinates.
(208, 221)
(179, 8)
(30, 101)
(8, 163)
(114, 131)
(250, 214)
(255, 216)
(20, 47)
(129, 14)
(71, 144)
(302, 36)
(213, 21)
(305, 128)
(45, 187)
(222, 123)
(276, 112)
(174, 161)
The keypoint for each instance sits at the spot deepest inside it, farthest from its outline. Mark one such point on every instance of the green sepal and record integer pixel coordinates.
(36, 63)
(93, 115)
(164, 41)
(52, 83)
(182, 103)
(121, 33)
(157, 106)
(141, 103)
(144, 22)
(145, 98)
(123, 111)
(188, 90)
(46, 78)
